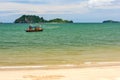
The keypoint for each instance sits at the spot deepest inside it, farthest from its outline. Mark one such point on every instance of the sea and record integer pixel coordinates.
(59, 44)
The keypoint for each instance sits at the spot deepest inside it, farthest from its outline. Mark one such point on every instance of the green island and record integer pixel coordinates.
(111, 21)
(37, 19)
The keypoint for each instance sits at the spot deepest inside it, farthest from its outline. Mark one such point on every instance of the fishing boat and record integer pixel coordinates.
(34, 29)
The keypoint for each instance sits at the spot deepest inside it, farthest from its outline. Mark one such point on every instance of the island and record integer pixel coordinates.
(37, 19)
(111, 21)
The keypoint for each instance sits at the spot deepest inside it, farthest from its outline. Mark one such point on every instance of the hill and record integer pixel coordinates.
(37, 19)
(111, 21)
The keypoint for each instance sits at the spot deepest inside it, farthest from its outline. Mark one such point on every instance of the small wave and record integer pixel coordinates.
(101, 63)
(38, 67)
(87, 63)
(11, 42)
(68, 65)
(52, 27)
(21, 67)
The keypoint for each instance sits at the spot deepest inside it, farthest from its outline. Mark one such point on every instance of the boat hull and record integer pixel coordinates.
(34, 30)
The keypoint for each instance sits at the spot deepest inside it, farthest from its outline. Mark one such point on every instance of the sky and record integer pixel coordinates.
(76, 10)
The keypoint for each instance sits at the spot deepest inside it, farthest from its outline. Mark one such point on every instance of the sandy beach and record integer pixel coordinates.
(100, 72)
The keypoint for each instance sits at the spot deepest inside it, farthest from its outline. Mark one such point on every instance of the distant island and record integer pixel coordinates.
(111, 21)
(37, 19)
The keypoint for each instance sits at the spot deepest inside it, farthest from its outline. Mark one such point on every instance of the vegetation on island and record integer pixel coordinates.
(37, 19)
(111, 21)
(58, 20)
(29, 19)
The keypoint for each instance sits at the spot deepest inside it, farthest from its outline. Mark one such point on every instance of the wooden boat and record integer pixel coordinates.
(34, 29)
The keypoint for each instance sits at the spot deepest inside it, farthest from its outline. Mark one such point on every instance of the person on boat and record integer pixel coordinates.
(30, 27)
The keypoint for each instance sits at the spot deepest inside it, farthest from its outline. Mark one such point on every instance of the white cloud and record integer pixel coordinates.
(100, 1)
(11, 7)
(25, 8)
(104, 4)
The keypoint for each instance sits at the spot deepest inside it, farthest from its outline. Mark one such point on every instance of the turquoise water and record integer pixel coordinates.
(59, 44)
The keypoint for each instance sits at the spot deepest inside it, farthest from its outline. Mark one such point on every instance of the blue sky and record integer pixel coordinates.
(76, 10)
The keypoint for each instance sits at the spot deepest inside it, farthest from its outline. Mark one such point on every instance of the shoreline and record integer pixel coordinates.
(100, 72)
(64, 66)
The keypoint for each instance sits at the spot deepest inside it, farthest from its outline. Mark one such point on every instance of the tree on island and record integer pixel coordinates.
(37, 19)
(29, 19)
(58, 20)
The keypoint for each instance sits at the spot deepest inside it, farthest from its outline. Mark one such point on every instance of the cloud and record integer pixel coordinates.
(55, 6)
(104, 4)
(43, 1)
(25, 8)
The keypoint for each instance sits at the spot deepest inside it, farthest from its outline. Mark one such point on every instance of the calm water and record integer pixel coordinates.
(59, 44)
